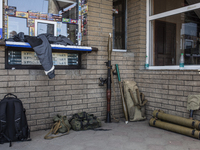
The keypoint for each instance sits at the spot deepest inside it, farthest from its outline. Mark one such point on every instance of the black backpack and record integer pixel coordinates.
(13, 122)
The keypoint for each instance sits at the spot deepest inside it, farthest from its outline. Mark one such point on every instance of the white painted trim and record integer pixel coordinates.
(186, 67)
(119, 50)
(46, 21)
(147, 29)
(66, 1)
(1, 18)
(174, 12)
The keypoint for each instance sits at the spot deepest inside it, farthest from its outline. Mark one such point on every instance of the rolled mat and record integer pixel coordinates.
(174, 128)
(194, 124)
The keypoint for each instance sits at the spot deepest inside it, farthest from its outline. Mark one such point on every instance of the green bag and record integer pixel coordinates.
(84, 121)
(61, 125)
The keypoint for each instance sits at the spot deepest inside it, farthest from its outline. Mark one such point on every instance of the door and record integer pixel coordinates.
(165, 43)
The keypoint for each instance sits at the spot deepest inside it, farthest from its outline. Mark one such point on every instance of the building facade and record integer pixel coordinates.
(76, 90)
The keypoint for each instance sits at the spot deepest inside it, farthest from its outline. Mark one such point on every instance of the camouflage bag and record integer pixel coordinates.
(61, 125)
(84, 121)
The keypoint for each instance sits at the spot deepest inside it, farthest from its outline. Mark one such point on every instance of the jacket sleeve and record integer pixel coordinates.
(42, 48)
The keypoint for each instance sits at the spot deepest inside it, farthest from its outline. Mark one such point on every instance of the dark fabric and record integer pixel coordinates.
(51, 74)
(44, 53)
(43, 50)
(42, 47)
(16, 129)
(20, 37)
(59, 40)
(33, 41)
(3, 107)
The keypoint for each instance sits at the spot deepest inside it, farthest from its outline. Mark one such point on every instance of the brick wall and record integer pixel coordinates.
(78, 90)
(164, 89)
(71, 91)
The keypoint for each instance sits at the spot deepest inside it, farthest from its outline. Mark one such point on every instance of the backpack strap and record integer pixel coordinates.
(3, 107)
(18, 114)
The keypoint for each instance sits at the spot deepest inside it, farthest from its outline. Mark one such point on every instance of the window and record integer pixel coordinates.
(119, 25)
(173, 27)
(43, 26)
(39, 17)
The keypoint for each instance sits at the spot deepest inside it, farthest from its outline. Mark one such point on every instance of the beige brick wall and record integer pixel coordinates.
(167, 90)
(74, 91)
(71, 91)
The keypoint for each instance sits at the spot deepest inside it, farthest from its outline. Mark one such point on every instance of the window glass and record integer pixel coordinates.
(64, 29)
(119, 24)
(45, 28)
(36, 17)
(174, 35)
(16, 25)
(34, 5)
(159, 6)
(72, 31)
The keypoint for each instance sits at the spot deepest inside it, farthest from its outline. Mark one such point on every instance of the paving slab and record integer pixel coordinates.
(131, 136)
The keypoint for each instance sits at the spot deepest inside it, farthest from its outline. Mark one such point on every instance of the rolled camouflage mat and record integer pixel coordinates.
(194, 124)
(174, 128)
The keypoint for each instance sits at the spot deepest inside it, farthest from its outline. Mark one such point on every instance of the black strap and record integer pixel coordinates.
(18, 120)
(7, 139)
(101, 129)
(10, 94)
(193, 131)
(191, 113)
(157, 114)
(3, 107)
(193, 123)
(154, 122)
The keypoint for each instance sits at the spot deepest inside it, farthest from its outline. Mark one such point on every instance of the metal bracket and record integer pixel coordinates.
(103, 81)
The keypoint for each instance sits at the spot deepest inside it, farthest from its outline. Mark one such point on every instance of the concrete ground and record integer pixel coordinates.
(131, 136)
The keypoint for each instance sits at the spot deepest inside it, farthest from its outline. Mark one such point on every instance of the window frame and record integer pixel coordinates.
(149, 30)
(125, 24)
(45, 22)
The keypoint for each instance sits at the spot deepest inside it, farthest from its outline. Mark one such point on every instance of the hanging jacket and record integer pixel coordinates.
(41, 46)
(43, 50)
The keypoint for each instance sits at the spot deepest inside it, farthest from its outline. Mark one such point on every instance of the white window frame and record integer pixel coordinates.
(1, 19)
(149, 30)
(47, 22)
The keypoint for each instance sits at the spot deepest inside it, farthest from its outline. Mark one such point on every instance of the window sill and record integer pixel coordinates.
(54, 46)
(119, 50)
(186, 67)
